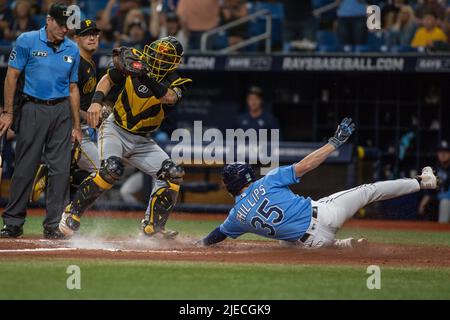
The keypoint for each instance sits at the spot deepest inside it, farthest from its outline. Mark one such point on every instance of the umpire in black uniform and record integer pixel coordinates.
(46, 119)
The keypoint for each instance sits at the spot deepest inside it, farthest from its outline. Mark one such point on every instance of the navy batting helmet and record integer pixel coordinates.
(236, 176)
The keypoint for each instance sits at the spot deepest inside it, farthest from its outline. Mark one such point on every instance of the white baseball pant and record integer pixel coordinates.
(334, 210)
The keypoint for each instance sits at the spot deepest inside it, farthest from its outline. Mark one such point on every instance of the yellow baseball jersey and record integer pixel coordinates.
(424, 38)
(137, 110)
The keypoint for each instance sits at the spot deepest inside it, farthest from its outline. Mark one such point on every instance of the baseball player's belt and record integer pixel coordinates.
(46, 102)
(306, 236)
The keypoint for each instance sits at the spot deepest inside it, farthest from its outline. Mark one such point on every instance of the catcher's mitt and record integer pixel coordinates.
(129, 61)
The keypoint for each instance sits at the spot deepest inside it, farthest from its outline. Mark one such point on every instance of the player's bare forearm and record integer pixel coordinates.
(105, 84)
(313, 160)
(83, 115)
(10, 86)
(75, 105)
(95, 109)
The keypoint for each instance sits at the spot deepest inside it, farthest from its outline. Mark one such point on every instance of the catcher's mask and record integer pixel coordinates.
(163, 56)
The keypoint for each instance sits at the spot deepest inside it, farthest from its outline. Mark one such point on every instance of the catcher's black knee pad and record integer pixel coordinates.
(170, 172)
(111, 170)
(161, 205)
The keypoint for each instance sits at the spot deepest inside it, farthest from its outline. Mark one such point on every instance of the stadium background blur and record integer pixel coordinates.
(320, 65)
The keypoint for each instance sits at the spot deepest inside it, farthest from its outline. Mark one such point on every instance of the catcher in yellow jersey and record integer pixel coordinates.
(150, 88)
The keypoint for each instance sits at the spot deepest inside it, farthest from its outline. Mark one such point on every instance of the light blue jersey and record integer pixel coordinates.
(48, 72)
(270, 209)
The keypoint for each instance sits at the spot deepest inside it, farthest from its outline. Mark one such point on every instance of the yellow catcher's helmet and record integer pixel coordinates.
(163, 56)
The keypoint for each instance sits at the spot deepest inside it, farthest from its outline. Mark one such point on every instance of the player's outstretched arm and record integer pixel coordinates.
(316, 158)
(214, 237)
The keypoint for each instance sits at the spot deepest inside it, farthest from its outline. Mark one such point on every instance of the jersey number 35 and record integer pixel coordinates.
(266, 211)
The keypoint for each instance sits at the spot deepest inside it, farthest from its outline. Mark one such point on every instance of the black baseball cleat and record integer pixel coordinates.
(11, 232)
(69, 224)
(149, 231)
(53, 234)
(169, 234)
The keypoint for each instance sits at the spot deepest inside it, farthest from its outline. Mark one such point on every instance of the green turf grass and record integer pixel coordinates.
(179, 280)
(130, 226)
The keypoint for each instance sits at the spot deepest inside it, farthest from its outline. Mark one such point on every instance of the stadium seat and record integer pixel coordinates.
(5, 43)
(327, 41)
(90, 8)
(400, 49)
(41, 19)
(258, 26)
(375, 41)
(220, 40)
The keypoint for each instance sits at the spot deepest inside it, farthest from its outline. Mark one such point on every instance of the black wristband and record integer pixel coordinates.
(98, 97)
(158, 89)
(7, 112)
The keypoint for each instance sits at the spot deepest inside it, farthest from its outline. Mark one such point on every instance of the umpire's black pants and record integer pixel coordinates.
(41, 128)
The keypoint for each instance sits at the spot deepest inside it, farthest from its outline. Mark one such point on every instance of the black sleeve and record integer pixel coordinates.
(215, 236)
(116, 76)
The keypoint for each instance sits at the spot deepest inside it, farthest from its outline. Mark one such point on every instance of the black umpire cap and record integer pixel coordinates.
(87, 26)
(59, 12)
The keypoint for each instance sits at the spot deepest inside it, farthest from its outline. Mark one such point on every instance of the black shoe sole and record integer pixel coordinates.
(10, 236)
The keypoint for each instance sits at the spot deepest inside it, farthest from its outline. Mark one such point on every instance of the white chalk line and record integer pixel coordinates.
(37, 250)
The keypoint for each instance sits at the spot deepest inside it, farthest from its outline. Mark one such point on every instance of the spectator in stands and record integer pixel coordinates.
(430, 32)
(172, 27)
(116, 23)
(6, 18)
(443, 172)
(256, 117)
(136, 35)
(22, 21)
(446, 23)
(389, 13)
(232, 10)
(196, 17)
(433, 6)
(352, 29)
(107, 38)
(45, 5)
(402, 32)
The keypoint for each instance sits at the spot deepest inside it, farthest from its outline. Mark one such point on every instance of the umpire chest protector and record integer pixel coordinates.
(137, 110)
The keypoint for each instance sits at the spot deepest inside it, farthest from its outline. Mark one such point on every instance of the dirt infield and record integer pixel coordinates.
(227, 252)
(182, 249)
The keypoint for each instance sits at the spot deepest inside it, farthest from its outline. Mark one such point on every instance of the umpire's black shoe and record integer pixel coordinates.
(53, 234)
(11, 232)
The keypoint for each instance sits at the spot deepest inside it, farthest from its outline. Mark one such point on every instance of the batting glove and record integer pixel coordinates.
(199, 243)
(343, 132)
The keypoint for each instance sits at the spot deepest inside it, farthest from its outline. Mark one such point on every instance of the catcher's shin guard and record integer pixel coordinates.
(91, 188)
(77, 178)
(160, 206)
(39, 183)
(88, 191)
